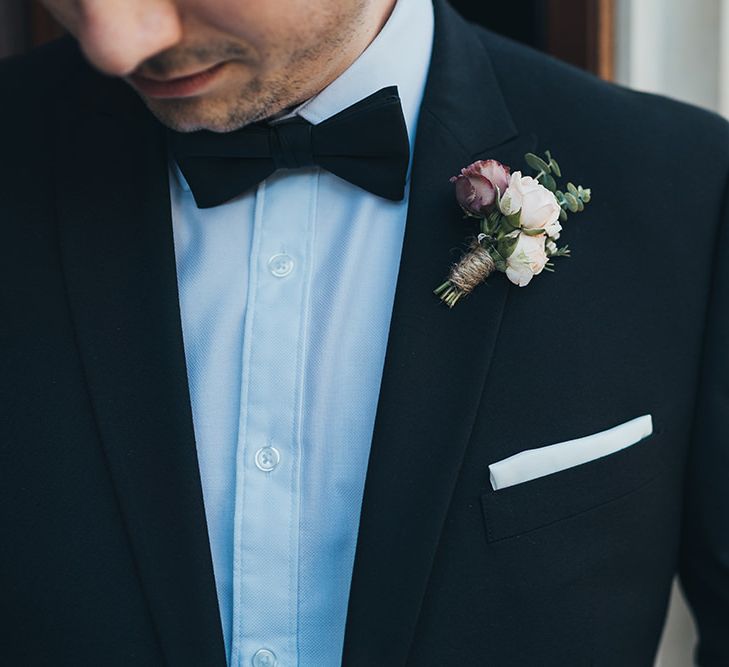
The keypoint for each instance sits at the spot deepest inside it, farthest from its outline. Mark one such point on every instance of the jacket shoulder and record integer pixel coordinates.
(575, 101)
(32, 81)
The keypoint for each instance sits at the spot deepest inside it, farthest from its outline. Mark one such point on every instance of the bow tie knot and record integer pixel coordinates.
(365, 144)
(291, 144)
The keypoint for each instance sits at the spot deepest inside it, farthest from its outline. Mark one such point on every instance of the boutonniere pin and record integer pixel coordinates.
(519, 222)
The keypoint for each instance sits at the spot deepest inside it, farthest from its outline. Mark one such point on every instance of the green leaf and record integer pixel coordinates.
(572, 202)
(549, 182)
(554, 166)
(573, 190)
(535, 162)
(533, 232)
(499, 261)
(495, 217)
(506, 248)
(510, 222)
(581, 205)
(562, 215)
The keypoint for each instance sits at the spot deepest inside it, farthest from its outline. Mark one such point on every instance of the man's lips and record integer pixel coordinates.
(184, 86)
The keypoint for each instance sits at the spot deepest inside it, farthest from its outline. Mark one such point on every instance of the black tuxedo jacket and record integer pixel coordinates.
(104, 558)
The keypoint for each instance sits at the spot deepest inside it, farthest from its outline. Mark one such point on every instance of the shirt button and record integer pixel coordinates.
(264, 658)
(281, 265)
(267, 458)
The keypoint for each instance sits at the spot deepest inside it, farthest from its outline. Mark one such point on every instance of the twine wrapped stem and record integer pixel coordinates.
(470, 271)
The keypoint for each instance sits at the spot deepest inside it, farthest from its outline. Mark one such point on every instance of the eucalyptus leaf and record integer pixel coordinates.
(549, 182)
(572, 202)
(562, 215)
(554, 166)
(581, 205)
(535, 162)
(572, 189)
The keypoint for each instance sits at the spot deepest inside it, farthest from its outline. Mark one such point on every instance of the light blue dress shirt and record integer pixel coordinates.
(286, 295)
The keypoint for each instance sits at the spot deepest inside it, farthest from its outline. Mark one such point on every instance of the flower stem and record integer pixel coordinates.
(442, 288)
(449, 293)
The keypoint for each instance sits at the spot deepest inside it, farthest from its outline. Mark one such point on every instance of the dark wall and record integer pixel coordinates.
(14, 37)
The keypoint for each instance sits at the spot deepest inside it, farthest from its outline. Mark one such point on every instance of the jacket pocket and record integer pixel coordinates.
(571, 489)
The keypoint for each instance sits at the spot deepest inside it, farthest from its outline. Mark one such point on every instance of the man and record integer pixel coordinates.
(238, 426)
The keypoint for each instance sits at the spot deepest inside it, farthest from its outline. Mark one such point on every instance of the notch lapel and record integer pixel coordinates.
(117, 251)
(437, 359)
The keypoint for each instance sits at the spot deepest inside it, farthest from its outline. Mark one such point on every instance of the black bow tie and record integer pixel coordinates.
(365, 144)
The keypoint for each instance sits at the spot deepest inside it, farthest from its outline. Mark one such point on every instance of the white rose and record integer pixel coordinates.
(527, 260)
(538, 206)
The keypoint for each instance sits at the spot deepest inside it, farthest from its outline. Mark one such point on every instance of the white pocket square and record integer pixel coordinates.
(534, 463)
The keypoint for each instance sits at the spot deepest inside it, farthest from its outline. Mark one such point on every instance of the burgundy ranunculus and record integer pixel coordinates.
(477, 183)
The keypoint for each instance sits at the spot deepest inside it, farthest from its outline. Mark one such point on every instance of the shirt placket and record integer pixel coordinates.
(268, 462)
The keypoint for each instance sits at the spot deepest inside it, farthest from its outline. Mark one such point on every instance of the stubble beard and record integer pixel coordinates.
(253, 102)
(259, 98)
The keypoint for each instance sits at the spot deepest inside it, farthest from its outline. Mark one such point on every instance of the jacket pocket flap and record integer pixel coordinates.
(518, 509)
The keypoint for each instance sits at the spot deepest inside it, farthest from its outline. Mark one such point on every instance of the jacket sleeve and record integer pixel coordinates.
(704, 563)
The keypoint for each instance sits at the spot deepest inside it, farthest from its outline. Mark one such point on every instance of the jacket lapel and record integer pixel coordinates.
(437, 359)
(118, 259)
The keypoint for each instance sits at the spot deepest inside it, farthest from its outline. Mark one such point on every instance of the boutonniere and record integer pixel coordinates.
(519, 222)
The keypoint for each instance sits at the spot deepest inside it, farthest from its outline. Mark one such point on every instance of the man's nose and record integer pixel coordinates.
(118, 35)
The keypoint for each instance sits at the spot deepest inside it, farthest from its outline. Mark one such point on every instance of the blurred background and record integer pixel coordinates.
(673, 47)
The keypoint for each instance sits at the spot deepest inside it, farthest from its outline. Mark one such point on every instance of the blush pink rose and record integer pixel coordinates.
(537, 206)
(527, 260)
(477, 184)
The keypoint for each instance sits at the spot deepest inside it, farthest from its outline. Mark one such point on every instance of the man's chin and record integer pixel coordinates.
(193, 114)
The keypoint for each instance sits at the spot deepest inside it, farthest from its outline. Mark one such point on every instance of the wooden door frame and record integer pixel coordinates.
(582, 32)
(42, 26)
